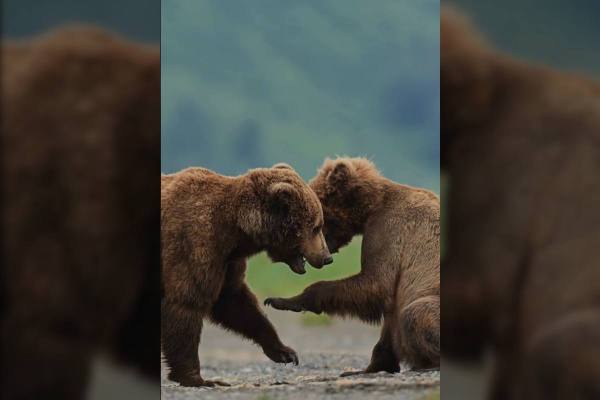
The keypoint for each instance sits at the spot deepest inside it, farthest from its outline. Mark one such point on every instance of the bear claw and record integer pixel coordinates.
(282, 304)
(282, 355)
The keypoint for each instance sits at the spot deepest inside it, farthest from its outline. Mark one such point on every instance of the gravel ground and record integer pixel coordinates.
(325, 351)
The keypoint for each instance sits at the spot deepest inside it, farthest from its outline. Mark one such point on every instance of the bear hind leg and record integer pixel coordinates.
(181, 327)
(417, 338)
(383, 357)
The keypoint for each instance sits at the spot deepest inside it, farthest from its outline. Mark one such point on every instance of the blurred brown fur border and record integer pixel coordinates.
(80, 209)
(520, 144)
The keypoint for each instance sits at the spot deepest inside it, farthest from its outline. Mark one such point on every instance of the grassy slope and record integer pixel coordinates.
(256, 83)
(268, 279)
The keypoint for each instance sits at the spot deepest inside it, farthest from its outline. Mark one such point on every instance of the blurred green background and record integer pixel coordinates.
(248, 84)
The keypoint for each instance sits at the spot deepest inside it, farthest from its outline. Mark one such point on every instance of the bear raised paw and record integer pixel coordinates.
(400, 275)
(210, 225)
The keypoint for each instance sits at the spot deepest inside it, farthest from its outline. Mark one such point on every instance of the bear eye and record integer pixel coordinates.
(316, 229)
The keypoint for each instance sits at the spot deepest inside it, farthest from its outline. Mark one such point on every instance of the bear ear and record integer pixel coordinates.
(283, 165)
(340, 173)
(281, 193)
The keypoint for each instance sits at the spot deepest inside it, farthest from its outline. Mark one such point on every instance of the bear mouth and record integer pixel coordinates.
(297, 264)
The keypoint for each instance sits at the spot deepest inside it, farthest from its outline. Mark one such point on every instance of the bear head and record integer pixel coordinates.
(347, 189)
(288, 222)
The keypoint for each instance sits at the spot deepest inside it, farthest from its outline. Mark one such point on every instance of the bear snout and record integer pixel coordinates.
(320, 262)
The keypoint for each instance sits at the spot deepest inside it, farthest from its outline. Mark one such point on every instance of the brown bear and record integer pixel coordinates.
(521, 275)
(400, 262)
(80, 213)
(210, 225)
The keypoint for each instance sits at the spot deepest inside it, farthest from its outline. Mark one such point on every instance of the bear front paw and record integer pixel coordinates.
(282, 354)
(283, 304)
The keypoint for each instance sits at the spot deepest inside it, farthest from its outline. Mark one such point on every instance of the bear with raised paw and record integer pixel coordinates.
(210, 225)
(399, 279)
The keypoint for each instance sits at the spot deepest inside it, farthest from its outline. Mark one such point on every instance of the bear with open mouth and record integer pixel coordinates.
(210, 225)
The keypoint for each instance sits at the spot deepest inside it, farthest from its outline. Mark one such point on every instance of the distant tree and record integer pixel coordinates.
(188, 139)
(247, 145)
(412, 103)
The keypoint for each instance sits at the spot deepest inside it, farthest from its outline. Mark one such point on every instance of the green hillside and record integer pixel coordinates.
(248, 84)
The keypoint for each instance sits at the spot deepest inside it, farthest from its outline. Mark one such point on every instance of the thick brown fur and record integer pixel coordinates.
(400, 262)
(521, 277)
(210, 224)
(80, 155)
